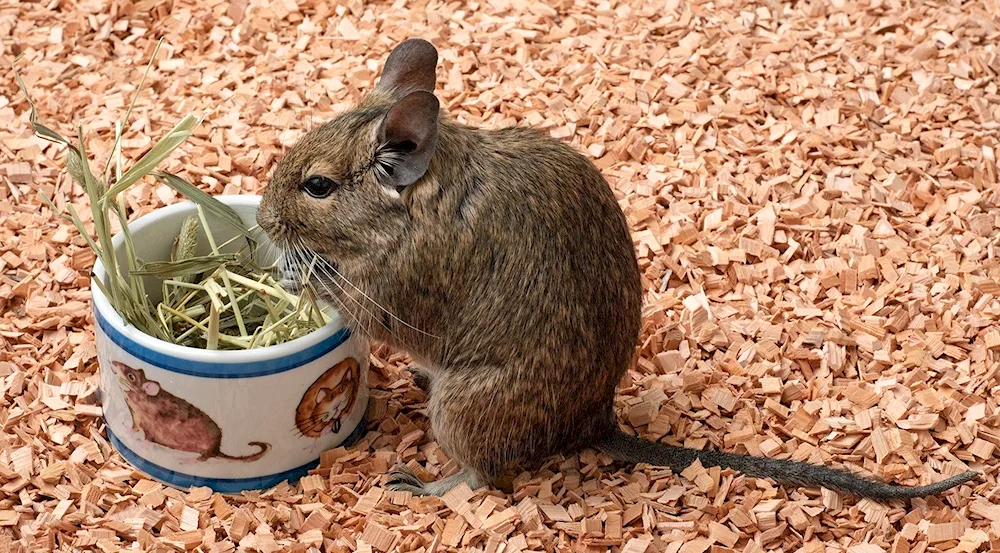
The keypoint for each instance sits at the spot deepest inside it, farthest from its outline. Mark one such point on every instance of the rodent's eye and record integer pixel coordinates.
(318, 186)
(131, 377)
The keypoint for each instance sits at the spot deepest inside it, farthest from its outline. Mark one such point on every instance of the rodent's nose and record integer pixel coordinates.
(265, 219)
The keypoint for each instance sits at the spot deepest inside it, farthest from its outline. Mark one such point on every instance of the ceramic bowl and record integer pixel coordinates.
(228, 420)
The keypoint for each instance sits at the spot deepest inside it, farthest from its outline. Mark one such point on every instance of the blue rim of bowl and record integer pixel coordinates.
(225, 485)
(203, 363)
(207, 369)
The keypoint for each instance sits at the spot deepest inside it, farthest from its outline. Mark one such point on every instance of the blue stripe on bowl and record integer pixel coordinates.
(222, 370)
(224, 485)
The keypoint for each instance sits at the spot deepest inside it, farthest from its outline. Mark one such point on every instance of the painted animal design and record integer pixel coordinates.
(170, 421)
(330, 398)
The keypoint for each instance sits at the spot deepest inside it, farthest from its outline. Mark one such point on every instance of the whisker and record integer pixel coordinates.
(304, 256)
(312, 422)
(314, 419)
(367, 311)
(325, 263)
(274, 251)
(300, 249)
(370, 315)
(319, 424)
(312, 429)
(343, 309)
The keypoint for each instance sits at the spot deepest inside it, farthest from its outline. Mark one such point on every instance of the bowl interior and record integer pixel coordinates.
(153, 236)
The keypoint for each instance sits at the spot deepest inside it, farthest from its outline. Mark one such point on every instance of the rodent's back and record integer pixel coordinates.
(570, 247)
(541, 273)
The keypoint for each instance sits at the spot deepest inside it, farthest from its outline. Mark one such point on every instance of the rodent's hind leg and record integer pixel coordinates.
(401, 478)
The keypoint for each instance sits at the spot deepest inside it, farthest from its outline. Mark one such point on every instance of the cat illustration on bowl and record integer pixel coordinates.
(329, 399)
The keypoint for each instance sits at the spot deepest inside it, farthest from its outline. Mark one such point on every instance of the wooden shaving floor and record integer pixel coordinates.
(813, 190)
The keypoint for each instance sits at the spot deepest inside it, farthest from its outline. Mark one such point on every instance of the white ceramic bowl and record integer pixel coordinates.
(228, 420)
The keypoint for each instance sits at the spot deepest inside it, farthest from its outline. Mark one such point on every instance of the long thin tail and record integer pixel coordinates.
(631, 449)
(248, 458)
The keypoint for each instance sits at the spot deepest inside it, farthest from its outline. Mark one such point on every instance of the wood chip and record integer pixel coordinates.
(937, 533)
(812, 195)
(379, 537)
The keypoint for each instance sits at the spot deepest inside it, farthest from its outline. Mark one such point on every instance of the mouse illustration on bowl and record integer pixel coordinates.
(172, 422)
(329, 399)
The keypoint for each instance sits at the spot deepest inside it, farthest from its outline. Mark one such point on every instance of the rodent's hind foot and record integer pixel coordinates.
(402, 479)
(420, 379)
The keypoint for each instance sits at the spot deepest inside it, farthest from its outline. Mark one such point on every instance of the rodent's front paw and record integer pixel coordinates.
(291, 283)
(290, 274)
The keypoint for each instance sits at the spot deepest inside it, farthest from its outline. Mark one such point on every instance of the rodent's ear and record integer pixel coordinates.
(151, 388)
(411, 66)
(407, 139)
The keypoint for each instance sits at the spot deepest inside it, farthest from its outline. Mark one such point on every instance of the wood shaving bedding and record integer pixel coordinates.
(814, 196)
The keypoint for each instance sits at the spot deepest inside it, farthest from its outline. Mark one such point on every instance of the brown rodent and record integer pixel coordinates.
(168, 420)
(500, 261)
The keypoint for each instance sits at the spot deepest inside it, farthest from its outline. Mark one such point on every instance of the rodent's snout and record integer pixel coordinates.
(266, 219)
(272, 219)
